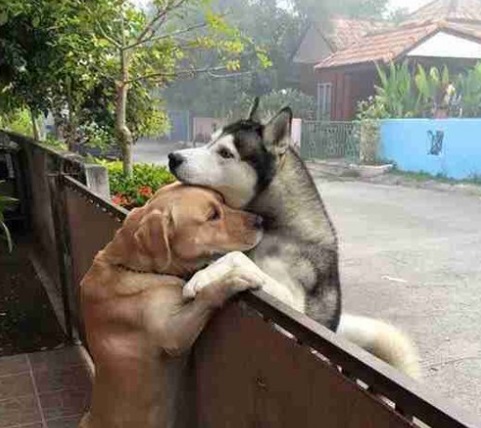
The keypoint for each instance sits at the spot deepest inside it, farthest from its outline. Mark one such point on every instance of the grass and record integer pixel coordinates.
(423, 176)
(440, 178)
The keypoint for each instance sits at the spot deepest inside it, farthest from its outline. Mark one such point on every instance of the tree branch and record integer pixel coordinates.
(229, 75)
(167, 35)
(152, 25)
(115, 42)
(106, 36)
(192, 72)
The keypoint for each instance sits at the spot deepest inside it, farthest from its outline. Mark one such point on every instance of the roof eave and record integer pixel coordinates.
(354, 66)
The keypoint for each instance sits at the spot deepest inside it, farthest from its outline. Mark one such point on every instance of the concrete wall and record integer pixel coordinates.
(451, 147)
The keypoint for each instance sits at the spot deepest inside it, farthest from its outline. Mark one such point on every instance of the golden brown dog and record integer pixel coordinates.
(137, 321)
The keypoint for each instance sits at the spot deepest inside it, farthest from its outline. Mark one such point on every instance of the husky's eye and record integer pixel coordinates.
(226, 154)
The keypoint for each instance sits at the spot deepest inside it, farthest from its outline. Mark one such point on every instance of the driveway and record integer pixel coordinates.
(154, 151)
(413, 257)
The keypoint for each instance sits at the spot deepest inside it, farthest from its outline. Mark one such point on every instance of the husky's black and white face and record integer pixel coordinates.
(240, 161)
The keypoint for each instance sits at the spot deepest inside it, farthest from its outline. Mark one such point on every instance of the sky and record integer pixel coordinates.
(410, 4)
(393, 4)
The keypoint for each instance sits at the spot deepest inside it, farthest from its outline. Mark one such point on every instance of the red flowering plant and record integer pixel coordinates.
(136, 191)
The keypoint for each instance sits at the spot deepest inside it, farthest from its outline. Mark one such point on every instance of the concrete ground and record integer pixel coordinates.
(412, 256)
(154, 151)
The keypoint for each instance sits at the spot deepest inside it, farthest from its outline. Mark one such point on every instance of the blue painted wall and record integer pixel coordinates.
(451, 147)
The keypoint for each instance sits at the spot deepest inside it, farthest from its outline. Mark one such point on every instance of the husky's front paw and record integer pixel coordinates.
(229, 275)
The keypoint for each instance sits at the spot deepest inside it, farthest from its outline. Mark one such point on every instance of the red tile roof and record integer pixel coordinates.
(460, 16)
(389, 45)
(323, 39)
(346, 31)
(449, 10)
(381, 46)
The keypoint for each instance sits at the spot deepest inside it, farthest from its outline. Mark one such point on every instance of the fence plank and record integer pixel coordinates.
(250, 375)
(90, 227)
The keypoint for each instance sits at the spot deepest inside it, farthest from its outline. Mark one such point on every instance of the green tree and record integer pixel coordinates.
(159, 46)
(270, 27)
(50, 59)
(61, 53)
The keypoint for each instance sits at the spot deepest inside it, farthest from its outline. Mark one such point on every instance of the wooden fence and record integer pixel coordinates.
(259, 363)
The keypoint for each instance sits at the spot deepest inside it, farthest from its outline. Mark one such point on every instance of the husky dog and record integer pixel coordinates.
(254, 167)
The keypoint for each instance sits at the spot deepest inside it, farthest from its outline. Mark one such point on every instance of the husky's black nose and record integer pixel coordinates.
(258, 222)
(175, 160)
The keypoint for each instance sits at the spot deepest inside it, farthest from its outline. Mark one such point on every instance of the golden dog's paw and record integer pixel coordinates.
(229, 275)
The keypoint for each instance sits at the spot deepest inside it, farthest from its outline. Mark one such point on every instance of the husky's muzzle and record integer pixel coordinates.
(175, 160)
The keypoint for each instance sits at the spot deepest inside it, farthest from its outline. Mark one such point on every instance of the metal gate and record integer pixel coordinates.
(331, 140)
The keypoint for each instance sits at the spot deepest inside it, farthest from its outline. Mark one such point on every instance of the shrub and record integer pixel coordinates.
(135, 191)
(369, 142)
(18, 121)
(407, 92)
(303, 106)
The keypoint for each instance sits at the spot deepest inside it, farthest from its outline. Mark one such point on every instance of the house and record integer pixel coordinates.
(442, 32)
(319, 42)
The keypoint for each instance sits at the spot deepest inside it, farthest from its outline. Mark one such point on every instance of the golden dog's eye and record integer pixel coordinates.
(214, 215)
(226, 154)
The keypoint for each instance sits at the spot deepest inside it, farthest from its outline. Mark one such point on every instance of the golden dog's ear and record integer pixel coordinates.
(153, 235)
(134, 217)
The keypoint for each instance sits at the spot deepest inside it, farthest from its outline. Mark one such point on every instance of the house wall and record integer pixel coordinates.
(451, 147)
(348, 88)
(308, 79)
(362, 87)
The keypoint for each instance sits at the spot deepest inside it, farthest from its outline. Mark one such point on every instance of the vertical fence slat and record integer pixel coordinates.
(57, 205)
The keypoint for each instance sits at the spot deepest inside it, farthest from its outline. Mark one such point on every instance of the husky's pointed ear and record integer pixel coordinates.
(277, 133)
(253, 111)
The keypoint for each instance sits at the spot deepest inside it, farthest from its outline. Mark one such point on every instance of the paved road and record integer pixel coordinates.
(154, 151)
(413, 257)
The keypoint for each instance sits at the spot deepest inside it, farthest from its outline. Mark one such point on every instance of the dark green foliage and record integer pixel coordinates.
(136, 190)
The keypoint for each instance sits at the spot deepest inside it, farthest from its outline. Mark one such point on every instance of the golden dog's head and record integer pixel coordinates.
(183, 227)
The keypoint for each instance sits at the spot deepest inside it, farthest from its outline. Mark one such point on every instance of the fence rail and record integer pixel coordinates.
(331, 140)
(252, 353)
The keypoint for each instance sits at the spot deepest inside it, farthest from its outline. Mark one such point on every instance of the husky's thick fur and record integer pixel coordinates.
(253, 166)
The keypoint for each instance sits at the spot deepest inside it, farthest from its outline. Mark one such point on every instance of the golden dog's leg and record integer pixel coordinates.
(231, 274)
(210, 288)
(238, 267)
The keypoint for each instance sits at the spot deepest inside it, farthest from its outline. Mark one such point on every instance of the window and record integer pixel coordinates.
(324, 93)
